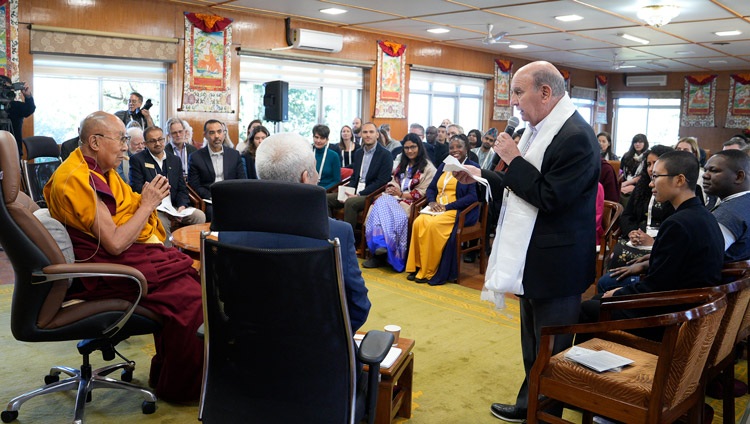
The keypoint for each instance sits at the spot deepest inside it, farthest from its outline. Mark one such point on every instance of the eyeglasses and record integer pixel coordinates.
(124, 140)
(655, 176)
(411, 147)
(156, 140)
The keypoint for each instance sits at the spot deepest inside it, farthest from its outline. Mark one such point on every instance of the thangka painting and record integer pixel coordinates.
(9, 39)
(698, 101)
(501, 108)
(600, 108)
(391, 79)
(207, 64)
(738, 111)
(566, 76)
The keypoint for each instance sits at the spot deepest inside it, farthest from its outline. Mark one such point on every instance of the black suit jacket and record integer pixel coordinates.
(143, 169)
(379, 172)
(201, 174)
(560, 258)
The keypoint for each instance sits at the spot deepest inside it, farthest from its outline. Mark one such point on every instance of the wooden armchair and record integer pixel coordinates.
(413, 214)
(663, 383)
(361, 218)
(465, 234)
(335, 188)
(612, 212)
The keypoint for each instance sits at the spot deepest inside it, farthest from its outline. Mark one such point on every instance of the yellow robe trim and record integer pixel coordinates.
(72, 200)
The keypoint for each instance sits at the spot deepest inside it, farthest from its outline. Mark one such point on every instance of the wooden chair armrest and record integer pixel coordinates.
(195, 198)
(463, 213)
(370, 198)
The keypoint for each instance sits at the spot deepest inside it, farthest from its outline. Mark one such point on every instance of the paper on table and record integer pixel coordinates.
(342, 193)
(598, 360)
(389, 359)
(166, 207)
(453, 165)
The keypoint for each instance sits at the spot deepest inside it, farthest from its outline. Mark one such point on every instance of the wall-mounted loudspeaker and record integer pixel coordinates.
(275, 101)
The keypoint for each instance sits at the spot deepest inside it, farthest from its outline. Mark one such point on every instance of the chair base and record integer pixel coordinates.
(83, 381)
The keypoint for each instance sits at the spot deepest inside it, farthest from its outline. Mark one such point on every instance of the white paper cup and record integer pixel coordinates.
(395, 330)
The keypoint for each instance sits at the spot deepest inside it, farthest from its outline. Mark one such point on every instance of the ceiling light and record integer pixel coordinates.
(438, 30)
(625, 66)
(569, 18)
(518, 46)
(634, 38)
(683, 53)
(717, 61)
(333, 11)
(657, 15)
(728, 33)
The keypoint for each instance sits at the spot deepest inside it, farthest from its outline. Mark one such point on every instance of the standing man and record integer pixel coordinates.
(155, 160)
(372, 170)
(178, 142)
(135, 113)
(545, 242)
(213, 163)
(18, 111)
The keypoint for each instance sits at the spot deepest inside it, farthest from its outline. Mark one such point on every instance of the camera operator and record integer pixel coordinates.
(135, 112)
(17, 111)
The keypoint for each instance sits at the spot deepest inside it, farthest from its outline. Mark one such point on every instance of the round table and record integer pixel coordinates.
(188, 238)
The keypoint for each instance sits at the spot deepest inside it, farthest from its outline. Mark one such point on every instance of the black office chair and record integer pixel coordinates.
(278, 340)
(40, 162)
(38, 312)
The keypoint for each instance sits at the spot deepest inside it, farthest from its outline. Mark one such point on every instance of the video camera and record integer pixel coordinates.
(8, 89)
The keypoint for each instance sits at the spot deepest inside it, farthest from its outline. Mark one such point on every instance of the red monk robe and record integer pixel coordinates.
(174, 291)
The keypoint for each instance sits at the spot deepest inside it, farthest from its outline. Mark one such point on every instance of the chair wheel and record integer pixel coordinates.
(49, 379)
(147, 407)
(127, 375)
(8, 416)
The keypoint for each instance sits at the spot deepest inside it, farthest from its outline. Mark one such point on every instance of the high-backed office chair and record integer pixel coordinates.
(278, 340)
(665, 380)
(38, 312)
(41, 160)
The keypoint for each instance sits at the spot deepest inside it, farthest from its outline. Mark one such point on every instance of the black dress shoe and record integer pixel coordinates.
(508, 413)
(373, 262)
(421, 280)
(411, 276)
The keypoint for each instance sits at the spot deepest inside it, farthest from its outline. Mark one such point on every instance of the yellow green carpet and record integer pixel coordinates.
(467, 356)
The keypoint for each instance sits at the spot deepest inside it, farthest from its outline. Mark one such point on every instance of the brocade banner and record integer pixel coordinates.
(9, 39)
(600, 108)
(738, 110)
(699, 101)
(389, 97)
(501, 108)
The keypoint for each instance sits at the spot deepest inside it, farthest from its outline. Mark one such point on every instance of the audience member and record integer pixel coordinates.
(549, 219)
(179, 144)
(357, 129)
(327, 161)
(690, 144)
(198, 144)
(347, 146)
(256, 137)
(632, 162)
(135, 145)
(18, 111)
(436, 151)
(108, 222)
(417, 129)
(390, 144)
(135, 112)
(67, 147)
(609, 182)
(372, 170)
(388, 218)
(287, 157)
(153, 161)
(484, 152)
(734, 143)
(242, 144)
(475, 138)
(432, 255)
(605, 143)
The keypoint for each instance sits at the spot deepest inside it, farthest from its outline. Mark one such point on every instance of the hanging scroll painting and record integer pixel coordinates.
(391, 80)
(207, 63)
(738, 110)
(9, 39)
(698, 101)
(501, 108)
(600, 108)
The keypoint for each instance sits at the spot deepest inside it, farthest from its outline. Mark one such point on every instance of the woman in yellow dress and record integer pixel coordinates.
(432, 251)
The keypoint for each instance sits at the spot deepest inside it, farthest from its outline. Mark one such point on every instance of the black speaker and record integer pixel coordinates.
(275, 101)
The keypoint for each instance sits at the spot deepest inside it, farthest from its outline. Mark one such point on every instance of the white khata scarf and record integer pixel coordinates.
(517, 217)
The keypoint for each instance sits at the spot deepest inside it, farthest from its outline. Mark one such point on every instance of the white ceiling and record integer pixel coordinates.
(687, 44)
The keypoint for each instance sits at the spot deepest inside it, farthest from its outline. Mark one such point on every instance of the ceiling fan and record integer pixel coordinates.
(496, 38)
(617, 64)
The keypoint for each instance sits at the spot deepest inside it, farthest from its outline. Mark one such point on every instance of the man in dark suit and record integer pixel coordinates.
(153, 160)
(178, 145)
(213, 163)
(299, 167)
(550, 214)
(372, 169)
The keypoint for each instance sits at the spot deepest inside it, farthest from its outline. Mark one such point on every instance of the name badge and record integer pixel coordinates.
(360, 187)
(150, 166)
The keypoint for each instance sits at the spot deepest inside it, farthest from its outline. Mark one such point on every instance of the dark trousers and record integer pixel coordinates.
(538, 313)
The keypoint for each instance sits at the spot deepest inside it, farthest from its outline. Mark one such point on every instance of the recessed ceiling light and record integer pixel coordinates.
(728, 33)
(518, 46)
(438, 30)
(634, 38)
(333, 11)
(626, 66)
(717, 61)
(683, 53)
(568, 18)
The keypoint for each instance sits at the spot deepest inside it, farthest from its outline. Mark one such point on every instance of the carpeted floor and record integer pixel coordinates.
(467, 356)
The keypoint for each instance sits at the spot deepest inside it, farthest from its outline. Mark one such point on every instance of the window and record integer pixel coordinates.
(584, 99)
(434, 97)
(67, 89)
(318, 94)
(656, 114)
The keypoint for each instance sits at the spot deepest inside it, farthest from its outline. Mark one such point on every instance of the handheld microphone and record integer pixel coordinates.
(512, 124)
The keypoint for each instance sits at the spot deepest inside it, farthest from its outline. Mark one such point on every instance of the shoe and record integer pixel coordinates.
(508, 413)
(715, 389)
(412, 276)
(421, 280)
(381, 251)
(373, 262)
(469, 258)
(708, 414)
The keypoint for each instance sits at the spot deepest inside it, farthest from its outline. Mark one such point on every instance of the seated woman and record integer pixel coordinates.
(257, 135)
(348, 146)
(387, 223)
(327, 161)
(632, 162)
(432, 255)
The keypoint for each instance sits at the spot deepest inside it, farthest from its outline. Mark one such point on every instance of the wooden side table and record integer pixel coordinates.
(395, 390)
(188, 238)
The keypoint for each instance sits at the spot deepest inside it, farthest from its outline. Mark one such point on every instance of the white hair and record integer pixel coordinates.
(284, 157)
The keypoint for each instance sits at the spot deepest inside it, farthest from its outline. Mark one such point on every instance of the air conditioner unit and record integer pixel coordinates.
(319, 41)
(646, 80)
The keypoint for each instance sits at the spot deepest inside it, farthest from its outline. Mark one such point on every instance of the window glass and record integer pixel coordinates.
(659, 119)
(585, 107)
(434, 97)
(469, 115)
(419, 107)
(443, 107)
